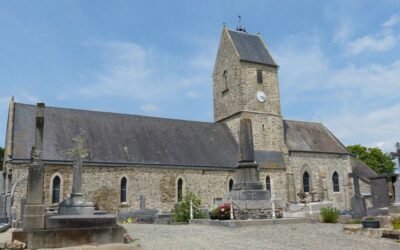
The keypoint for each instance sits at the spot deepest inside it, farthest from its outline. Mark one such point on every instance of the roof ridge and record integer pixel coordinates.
(117, 113)
(290, 120)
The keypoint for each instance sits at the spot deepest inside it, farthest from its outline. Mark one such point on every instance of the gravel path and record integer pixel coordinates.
(295, 236)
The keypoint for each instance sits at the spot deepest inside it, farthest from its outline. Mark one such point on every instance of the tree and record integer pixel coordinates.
(373, 157)
(1, 158)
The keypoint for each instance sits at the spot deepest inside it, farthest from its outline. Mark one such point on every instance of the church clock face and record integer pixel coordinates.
(261, 97)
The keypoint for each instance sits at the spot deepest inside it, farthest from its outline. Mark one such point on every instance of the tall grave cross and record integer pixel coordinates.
(76, 205)
(397, 183)
(77, 153)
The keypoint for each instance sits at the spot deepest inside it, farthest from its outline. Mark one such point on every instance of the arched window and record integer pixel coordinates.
(335, 182)
(225, 77)
(230, 184)
(268, 184)
(179, 190)
(55, 195)
(123, 190)
(306, 182)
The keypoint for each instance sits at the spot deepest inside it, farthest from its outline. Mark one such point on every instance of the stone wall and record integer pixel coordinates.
(101, 185)
(226, 92)
(321, 167)
(267, 130)
(278, 183)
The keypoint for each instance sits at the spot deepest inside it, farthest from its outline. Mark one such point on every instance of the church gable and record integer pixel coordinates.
(125, 139)
(313, 137)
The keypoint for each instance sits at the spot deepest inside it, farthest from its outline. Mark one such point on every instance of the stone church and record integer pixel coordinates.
(134, 157)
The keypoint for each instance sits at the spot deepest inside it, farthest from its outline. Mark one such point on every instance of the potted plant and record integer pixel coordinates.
(370, 222)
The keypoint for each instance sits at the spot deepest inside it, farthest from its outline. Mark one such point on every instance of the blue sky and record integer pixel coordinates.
(339, 60)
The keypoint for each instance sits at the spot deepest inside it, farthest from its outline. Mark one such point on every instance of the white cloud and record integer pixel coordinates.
(374, 128)
(342, 33)
(150, 108)
(192, 95)
(392, 21)
(358, 103)
(376, 43)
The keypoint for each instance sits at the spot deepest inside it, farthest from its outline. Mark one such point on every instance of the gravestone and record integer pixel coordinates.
(379, 191)
(357, 201)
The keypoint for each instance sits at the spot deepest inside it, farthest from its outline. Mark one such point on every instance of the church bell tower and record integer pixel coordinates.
(246, 85)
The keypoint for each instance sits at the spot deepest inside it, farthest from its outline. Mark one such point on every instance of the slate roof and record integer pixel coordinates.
(309, 136)
(119, 138)
(130, 139)
(251, 48)
(364, 171)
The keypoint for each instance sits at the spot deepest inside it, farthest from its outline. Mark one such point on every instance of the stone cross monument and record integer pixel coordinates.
(34, 211)
(247, 193)
(247, 174)
(357, 202)
(75, 204)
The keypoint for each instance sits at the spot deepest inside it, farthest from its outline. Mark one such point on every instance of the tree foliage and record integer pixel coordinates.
(182, 213)
(373, 157)
(1, 158)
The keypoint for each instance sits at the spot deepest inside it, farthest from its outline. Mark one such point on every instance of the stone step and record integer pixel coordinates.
(391, 234)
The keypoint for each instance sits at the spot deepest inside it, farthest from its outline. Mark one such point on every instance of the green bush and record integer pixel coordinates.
(329, 214)
(396, 223)
(182, 212)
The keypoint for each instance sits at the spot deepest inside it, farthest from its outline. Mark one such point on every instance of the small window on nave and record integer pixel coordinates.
(268, 184)
(179, 190)
(335, 182)
(55, 194)
(306, 182)
(231, 182)
(123, 190)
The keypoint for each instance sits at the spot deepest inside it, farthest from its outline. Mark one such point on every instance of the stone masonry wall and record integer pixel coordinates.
(226, 94)
(321, 167)
(267, 130)
(278, 183)
(102, 185)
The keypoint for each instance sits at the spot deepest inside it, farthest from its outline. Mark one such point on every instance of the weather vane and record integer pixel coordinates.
(240, 27)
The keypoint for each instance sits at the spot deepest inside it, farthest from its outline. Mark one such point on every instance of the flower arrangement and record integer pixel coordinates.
(222, 212)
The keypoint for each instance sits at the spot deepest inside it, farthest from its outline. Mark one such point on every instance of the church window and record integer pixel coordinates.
(55, 195)
(230, 184)
(259, 76)
(179, 190)
(268, 184)
(123, 190)
(335, 182)
(306, 182)
(225, 79)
